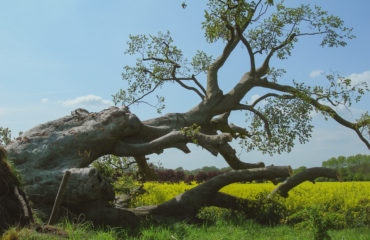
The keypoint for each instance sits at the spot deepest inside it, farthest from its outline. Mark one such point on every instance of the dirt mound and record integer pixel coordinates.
(14, 208)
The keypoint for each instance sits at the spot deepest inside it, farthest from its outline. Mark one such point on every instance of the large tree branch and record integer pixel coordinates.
(189, 202)
(212, 81)
(321, 107)
(309, 174)
(174, 139)
(229, 154)
(249, 49)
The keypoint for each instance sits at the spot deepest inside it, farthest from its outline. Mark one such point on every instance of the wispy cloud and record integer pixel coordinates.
(87, 101)
(316, 73)
(254, 98)
(44, 100)
(358, 78)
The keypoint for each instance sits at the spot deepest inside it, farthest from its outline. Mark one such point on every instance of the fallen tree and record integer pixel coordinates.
(73, 142)
(185, 205)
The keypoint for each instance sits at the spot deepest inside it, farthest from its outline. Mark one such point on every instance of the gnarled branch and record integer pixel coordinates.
(229, 154)
(309, 174)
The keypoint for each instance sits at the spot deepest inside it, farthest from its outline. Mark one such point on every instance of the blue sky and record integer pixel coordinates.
(56, 56)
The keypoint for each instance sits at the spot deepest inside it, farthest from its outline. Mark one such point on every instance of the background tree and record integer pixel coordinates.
(266, 31)
(352, 168)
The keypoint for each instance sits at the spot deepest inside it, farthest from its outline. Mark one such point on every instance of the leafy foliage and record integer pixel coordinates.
(5, 136)
(121, 172)
(159, 61)
(288, 119)
(191, 131)
(281, 29)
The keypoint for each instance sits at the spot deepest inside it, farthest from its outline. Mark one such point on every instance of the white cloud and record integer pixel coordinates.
(44, 100)
(316, 73)
(254, 98)
(358, 78)
(87, 101)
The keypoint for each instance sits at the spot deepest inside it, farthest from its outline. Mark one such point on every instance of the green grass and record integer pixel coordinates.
(220, 230)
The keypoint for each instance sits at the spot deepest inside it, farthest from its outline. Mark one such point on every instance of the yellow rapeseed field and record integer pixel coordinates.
(333, 196)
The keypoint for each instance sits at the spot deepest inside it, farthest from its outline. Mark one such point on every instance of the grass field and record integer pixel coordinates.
(220, 230)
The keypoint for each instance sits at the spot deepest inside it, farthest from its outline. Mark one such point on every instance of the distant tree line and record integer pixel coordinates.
(352, 168)
(188, 176)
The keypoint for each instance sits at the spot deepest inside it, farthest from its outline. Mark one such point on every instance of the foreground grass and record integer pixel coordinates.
(220, 230)
(344, 205)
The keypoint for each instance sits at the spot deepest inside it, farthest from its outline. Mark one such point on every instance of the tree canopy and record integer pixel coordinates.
(266, 29)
